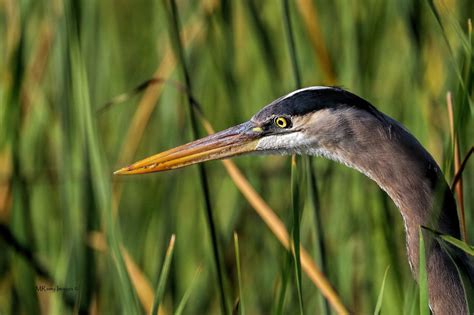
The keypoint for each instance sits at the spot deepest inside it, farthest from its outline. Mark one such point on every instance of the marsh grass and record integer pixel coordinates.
(240, 301)
(423, 276)
(378, 306)
(63, 60)
(160, 287)
(174, 26)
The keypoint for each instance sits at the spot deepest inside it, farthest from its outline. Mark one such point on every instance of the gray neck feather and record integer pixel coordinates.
(383, 150)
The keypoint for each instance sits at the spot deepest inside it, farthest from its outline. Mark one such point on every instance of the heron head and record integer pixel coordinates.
(301, 122)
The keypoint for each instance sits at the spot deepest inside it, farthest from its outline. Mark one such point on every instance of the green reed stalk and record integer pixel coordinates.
(160, 288)
(179, 52)
(295, 166)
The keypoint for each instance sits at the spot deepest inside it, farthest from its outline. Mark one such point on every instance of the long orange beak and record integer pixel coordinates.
(234, 141)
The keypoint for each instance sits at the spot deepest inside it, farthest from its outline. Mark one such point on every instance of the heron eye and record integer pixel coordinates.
(281, 122)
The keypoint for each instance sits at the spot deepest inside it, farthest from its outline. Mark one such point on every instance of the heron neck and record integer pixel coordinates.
(383, 150)
(387, 153)
(415, 183)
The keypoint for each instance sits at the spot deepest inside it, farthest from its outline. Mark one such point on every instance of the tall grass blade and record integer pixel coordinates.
(291, 43)
(457, 164)
(454, 248)
(264, 39)
(423, 277)
(456, 68)
(307, 9)
(21, 225)
(295, 193)
(319, 246)
(295, 168)
(239, 275)
(285, 278)
(378, 306)
(160, 288)
(101, 181)
(147, 104)
(182, 304)
(462, 257)
(313, 189)
(178, 48)
(139, 280)
(459, 244)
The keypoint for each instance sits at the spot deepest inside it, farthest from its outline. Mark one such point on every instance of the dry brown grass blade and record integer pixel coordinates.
(145, 108)
(309, 13)
(44, 299)
(11, 18)
(10, 38)
(140, 282)
(37, 67)
(5, 191)
(140, 120)
(457, 164)
(190, 33)
(147, 104)
(94, 306)
(279, 229)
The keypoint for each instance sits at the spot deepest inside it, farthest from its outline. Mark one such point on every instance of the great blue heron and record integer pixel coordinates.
(336, 124)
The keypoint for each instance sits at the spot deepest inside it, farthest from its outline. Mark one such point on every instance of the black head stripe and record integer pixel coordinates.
(313, 99)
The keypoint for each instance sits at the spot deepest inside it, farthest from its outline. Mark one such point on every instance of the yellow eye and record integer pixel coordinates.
(281, 122)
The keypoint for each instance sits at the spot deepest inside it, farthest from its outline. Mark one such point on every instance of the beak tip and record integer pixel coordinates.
(122, 171)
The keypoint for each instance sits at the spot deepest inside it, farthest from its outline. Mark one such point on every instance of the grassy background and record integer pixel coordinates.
(67, 222)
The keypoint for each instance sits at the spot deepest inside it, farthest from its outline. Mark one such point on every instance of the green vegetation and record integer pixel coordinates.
(76, 239)
(423, 278)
